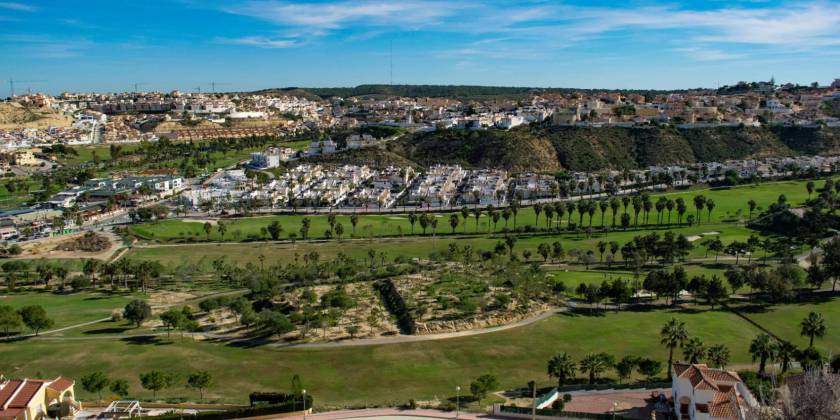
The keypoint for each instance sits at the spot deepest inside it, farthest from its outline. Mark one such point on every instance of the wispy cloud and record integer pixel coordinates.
(20, 7)
(500, 30)
(331, 16)
(261, 42)
(48, 47)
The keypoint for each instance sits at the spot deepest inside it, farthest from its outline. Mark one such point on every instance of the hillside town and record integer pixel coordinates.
(146, 116)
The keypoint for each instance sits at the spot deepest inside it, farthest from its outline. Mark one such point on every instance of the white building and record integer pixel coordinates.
(704, 393)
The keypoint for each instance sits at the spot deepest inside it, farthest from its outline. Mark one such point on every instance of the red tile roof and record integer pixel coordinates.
(8, 391)
(61, 384)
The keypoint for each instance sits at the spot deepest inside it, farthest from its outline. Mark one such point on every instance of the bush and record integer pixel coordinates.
(80, 282)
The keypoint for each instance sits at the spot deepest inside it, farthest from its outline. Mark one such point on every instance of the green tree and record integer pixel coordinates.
(785, 353)
(35, 317)
(812, 326)
(155, 381)
(200, 380)
(763, 348)
(94, 383)
(208, 229)
(172, 318)
(9, 319)
(595, 364)
(649, 368)
(694, 350)
(119, 387)
(275, 229)
(483, 385)
(137, 311)
(718, 356)
(453, 221)
(672, 335)
(562, 367)
(624, 368)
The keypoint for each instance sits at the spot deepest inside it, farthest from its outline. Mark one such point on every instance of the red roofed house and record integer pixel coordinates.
(704, 393)
(31, 399)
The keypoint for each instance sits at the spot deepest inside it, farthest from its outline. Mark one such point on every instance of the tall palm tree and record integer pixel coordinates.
(763, 348)
(785, 353)
(718, 356)
(672, 335)
(694, 350)
(562, 367)
(813, 326)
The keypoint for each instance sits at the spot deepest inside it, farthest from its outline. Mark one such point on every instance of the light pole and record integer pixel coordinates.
(615, 405)
(457, 400)
(303, 391)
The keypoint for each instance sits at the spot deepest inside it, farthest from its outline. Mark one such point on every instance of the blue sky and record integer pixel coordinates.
(253, 44)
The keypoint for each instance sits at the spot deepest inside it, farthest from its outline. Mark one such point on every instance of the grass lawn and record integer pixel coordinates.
(387, 373)
(69, 309)
(416, 246)
(731, 207)
(783, 320)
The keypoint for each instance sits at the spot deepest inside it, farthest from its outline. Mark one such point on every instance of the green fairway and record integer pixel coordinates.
(393, 373)
(69, 309)
(731, 206)
(408, 246)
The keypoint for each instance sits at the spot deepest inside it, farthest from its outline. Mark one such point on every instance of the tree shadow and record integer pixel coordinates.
(109, 330)
(145, 340)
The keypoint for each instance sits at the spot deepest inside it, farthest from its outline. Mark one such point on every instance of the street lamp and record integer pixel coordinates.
(303, 391)
(457, 400)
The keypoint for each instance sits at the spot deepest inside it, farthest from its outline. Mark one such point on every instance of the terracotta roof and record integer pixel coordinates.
(61, 384)
(726, 399)
(8, 391)
(28, 390)
(10, 414)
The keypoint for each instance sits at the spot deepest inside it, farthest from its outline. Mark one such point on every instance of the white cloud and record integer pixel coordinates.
(331, 16)
(261, 42)
(532, 29)
(20, 7)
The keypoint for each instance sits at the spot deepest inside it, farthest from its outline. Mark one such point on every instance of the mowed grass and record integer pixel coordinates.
(783, 320)
(69, 309)
(410, 246)
(385, 373)
(730, 206)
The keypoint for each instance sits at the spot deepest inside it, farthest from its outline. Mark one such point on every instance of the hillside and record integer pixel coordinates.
(579, 148)
(518, 150)
(371, 156)
(13, 115)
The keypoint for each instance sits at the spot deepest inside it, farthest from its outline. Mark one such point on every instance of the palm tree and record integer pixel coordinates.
(673, 335)
(785, 353)
(562, 367)
(813, 326)
(763, 348)
(694, 350)
(595, 363)
(718, 356)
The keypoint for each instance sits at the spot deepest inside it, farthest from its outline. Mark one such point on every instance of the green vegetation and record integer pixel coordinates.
(594, 149)
(68, 309)
(394, 373)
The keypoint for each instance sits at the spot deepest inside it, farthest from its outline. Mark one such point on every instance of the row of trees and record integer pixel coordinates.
(154, 380)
